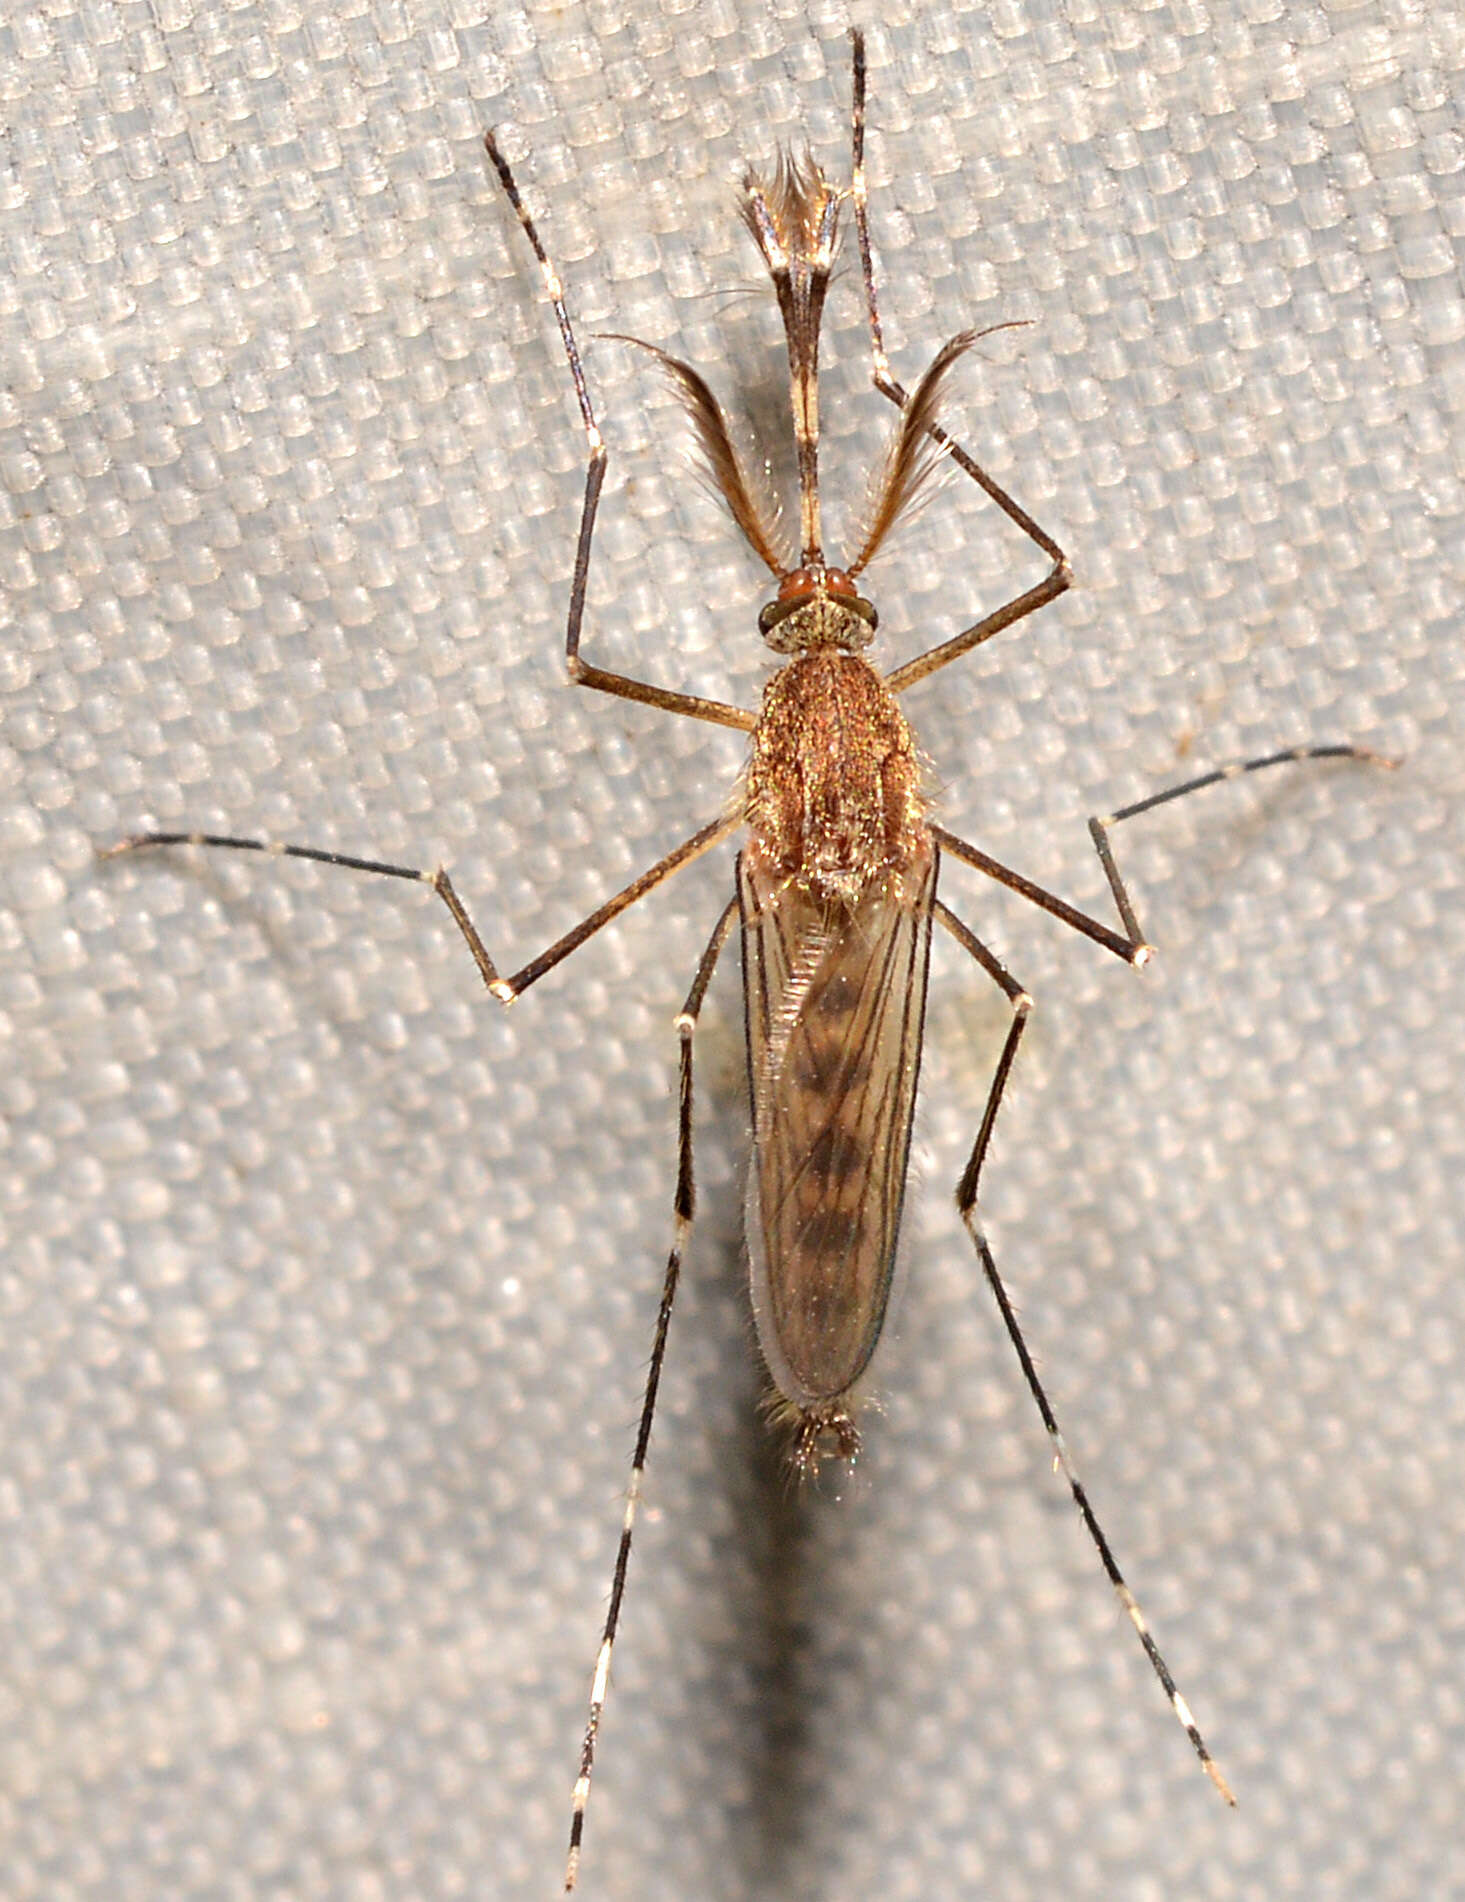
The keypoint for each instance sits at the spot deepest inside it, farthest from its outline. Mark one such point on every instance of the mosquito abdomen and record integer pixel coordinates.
(836, 886)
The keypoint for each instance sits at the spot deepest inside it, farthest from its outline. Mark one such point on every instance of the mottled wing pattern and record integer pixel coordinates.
(835, 998)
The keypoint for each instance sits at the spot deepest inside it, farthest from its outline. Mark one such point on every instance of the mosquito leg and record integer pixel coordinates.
(1081, 1499)
(1059, 577)
(1132, 949)
(1099, 827)
(505, 989)
(966, 1194)
(966, 1202)
(683, 1209)
(581, 671)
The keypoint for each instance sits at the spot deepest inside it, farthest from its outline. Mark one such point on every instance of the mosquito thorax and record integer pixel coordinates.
(817, 607)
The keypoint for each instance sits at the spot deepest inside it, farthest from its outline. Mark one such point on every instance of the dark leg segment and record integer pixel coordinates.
(1021, 1003)
(1099, 827)
(1081, 1499)
(505, 989)
(1059, 577)
(1133, 949)
(966, 1202)
(683, 1210)
(579, 670)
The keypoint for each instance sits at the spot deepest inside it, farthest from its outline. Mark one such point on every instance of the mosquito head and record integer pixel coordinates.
(817, 607)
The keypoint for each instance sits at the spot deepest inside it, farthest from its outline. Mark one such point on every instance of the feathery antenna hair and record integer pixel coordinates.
(752, 506)
(916, 450)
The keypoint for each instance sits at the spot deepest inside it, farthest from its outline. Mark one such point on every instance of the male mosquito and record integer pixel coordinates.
(836, 885)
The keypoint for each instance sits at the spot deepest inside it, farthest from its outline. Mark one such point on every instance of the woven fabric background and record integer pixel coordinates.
(327, 1285)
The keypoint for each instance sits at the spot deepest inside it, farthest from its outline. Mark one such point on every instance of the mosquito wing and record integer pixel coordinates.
(835, 998)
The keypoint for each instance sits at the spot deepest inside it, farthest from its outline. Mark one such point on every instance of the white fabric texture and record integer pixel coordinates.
(328, 1285)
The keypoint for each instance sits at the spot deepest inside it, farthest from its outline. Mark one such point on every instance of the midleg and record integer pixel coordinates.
(1132, 946)
(1132, 949)
(1099, 827)
(505, 989)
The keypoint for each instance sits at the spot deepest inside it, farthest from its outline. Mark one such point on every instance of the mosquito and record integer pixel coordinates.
(835, 888)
